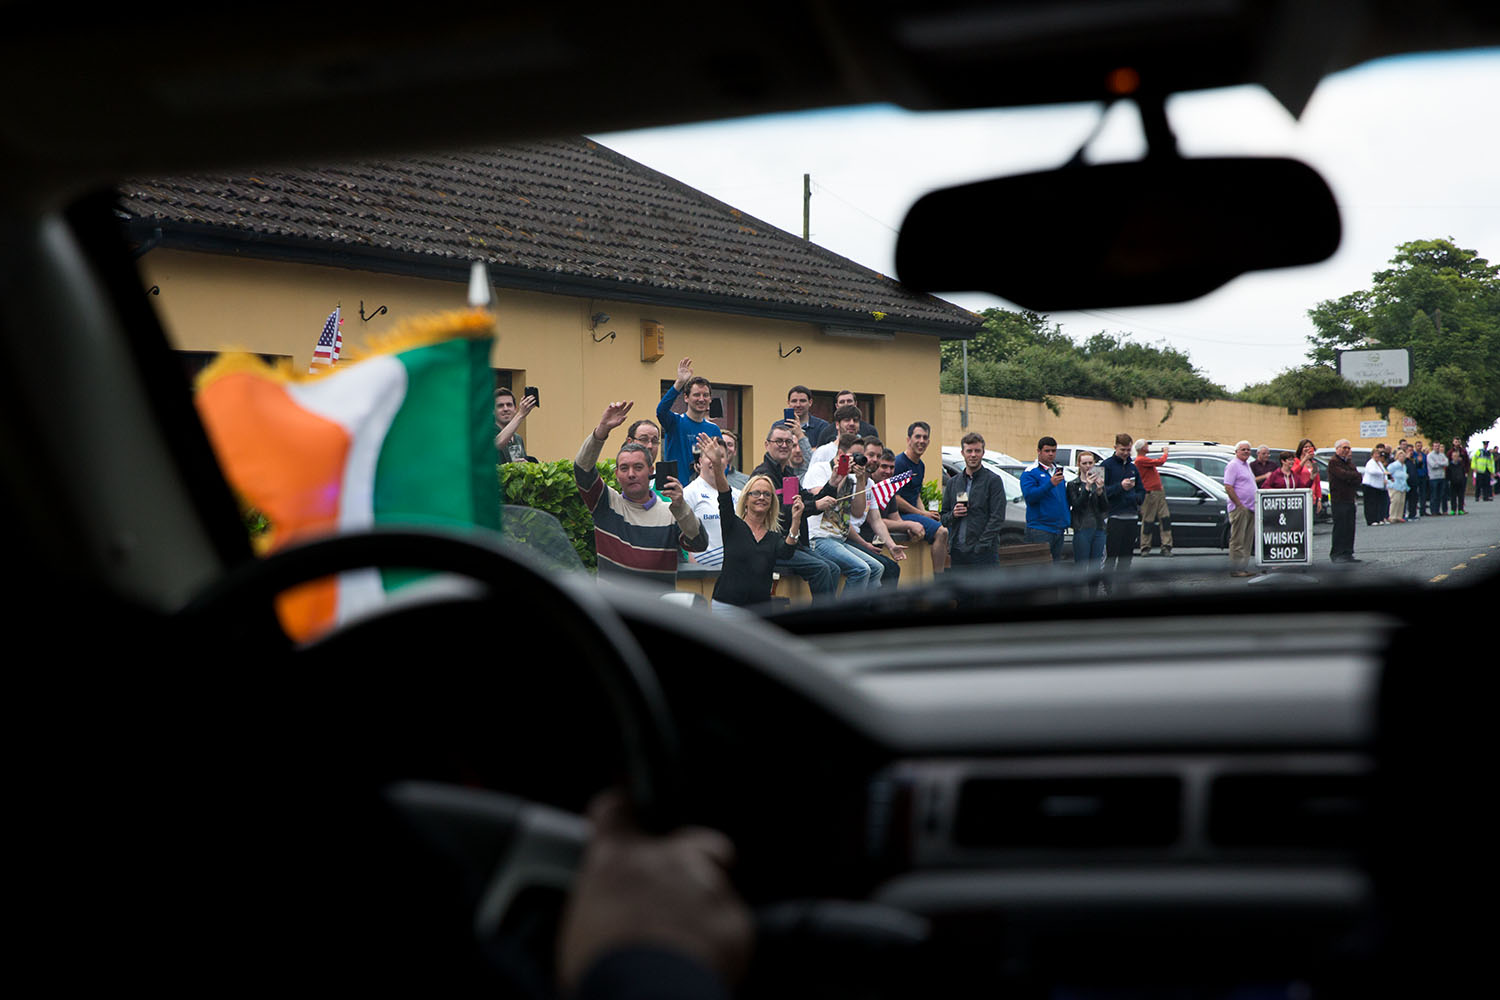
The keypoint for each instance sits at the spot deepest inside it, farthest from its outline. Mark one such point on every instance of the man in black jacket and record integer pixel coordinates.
(822, 575)
(973, 509)
(1343, 484)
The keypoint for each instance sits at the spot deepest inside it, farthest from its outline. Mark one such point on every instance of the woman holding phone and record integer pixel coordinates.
(1305, 469)
(752, 543)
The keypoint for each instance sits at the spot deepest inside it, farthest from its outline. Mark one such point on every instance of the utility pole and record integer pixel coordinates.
(963, 415)
(806, 205)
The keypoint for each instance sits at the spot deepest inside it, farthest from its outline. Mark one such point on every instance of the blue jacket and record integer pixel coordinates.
(1122, 502)
(1046, 505)
(679, 434)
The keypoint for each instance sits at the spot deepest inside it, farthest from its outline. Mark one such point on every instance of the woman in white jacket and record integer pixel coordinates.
(1377, 501)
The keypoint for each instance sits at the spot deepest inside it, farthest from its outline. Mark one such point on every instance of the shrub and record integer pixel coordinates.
(549, 487)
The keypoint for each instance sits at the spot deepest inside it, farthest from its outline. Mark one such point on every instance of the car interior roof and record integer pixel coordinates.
(289, 82)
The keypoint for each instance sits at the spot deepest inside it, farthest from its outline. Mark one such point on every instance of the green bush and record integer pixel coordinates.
(550, 487)
(931, 490)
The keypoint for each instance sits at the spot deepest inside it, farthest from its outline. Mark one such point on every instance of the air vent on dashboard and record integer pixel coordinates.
(1063, 812)
(1289, 810)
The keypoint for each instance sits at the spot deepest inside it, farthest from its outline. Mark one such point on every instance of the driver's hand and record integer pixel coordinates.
(670, 892)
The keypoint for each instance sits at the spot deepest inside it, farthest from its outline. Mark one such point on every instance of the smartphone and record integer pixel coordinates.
(843, 468)
(534, 393)
(790, 487)
(788, 414)
(716, 408)
(665, 471)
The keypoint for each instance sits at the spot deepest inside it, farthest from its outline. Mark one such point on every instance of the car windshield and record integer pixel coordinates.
(732, 278)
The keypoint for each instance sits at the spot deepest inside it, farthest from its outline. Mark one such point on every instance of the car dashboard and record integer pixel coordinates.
(1185, 802)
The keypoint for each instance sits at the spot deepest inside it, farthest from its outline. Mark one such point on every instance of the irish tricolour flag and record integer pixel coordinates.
(402, 435)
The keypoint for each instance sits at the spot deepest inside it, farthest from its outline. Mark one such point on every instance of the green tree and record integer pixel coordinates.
(1440, 301)
(1022, 355)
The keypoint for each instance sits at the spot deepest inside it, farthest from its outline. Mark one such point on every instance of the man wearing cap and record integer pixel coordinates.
(1154, 508)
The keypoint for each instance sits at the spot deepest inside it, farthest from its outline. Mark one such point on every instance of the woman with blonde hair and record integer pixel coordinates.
(752, 543)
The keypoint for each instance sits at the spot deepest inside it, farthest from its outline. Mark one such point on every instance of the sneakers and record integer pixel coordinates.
(1167, 551)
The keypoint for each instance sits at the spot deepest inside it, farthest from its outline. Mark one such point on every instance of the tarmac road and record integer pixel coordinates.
(1440, 550)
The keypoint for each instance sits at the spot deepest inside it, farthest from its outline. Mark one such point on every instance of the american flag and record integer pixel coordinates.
(882, 491)
(330, 343)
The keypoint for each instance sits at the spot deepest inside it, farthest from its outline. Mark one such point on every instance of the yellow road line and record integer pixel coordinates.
(1479, 555)
(1462, 566)
(1439, 578)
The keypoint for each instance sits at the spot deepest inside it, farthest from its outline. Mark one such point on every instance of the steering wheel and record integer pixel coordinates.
(512, 845)
(509, 844)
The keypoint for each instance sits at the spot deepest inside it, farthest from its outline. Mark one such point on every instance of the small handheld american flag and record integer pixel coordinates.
(882, 491)
(330, 343)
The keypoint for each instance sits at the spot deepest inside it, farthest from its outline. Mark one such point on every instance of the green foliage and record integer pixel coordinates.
(550, 487)
(1308, 387)
(931, 490)
(1442, 302)
(1019, 356)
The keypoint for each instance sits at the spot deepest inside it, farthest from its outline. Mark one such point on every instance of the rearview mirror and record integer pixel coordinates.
(1119, 234)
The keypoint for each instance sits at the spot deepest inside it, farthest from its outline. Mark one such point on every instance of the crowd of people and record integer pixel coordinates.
(826, 497)
(1415, 481)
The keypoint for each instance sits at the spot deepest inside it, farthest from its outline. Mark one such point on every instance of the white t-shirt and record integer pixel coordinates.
(824, 453)
(704, 499)
(1375, 474)
(818, 475)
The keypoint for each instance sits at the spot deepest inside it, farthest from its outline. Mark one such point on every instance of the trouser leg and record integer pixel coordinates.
(1241, 545)
(1119, 543)
(821, 575)
(1343, 531)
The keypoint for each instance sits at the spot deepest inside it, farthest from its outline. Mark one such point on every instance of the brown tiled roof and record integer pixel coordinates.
(566, 215)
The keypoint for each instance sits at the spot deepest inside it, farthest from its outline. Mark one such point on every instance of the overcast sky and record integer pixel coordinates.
(1409, 146)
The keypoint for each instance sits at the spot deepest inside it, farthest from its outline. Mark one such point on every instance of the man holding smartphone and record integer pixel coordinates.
(679, 431)
(636, 535)
(508, 417)
(837, 511)
(1123, 490)
(1046, 495)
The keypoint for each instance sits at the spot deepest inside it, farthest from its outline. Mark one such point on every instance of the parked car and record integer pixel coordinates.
(1199, 508)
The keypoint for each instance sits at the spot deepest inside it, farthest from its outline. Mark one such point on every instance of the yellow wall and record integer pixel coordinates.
(213, 302)
(1013, 426)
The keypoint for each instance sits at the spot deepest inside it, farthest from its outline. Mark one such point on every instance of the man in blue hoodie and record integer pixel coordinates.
(1123, 490)
(1046, 494)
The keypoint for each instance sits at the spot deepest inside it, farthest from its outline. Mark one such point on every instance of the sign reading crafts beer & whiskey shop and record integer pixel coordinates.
(1283, 527)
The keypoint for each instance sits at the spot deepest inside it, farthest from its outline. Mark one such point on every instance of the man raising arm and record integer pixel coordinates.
(679, 431)
(636, 536)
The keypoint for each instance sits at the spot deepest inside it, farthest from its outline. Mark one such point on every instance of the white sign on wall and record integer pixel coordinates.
(1374, 429)
(1408, 425)
(1391, 368)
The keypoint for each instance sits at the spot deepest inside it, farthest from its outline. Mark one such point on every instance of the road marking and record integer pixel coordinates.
(1462, 566)
(1439, 578)
(1479, 555)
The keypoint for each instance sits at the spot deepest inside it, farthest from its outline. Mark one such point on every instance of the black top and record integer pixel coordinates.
(1090, 508)
(745, 576)
(776, 473)
(977, 532)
